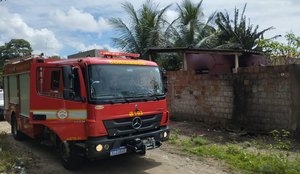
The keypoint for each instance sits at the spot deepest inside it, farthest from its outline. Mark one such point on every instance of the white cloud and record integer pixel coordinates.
(81, 21)
(75, 19)
(282, 14)
(171, 15)
(12, 26)
(83, 47)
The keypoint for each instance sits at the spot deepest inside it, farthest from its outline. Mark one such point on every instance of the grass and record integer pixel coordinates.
(238, 157)
(9, 158)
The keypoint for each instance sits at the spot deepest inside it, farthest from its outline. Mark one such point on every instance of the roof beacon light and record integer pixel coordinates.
(111, 54)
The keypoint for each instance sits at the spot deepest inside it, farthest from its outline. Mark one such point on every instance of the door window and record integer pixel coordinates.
(49, 82)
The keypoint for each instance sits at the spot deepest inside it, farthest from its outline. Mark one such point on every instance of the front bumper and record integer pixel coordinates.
(108, 144)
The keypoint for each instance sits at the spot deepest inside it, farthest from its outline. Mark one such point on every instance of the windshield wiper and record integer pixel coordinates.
(149, 96)
(135, 98)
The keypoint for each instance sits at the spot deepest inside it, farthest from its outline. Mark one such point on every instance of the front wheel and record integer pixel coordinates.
(69, 156)
(1, 115)
(15, 129)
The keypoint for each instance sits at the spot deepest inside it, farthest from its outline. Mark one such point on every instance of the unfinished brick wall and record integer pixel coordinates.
(257, 98)
(207, 98)
(264, 98)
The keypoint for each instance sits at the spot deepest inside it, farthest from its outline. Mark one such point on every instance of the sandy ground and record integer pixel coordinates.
(157, 161)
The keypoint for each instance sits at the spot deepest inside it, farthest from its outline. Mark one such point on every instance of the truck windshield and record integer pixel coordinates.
(112, 83)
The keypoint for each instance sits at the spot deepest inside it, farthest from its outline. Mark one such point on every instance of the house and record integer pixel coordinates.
(214, 61)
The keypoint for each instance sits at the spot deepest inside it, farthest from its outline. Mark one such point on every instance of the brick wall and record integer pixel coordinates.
(257, 98)
(207, 98)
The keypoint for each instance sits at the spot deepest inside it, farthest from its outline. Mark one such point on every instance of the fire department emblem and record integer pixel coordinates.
(62, 114)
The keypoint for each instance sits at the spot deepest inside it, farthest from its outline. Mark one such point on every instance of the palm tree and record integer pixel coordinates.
(236, 34)
(189, 29)
(143, 30)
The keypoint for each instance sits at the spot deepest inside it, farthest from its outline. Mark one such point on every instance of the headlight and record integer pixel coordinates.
(165, 134)
(99, 148)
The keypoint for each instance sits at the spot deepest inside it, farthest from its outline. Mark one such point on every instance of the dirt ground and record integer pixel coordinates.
(166, 159)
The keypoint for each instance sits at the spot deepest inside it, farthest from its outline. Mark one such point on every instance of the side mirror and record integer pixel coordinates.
(164, 79)
(95, 82)
(68, 77)
(71, 76)
(93, 91)
(72, 90)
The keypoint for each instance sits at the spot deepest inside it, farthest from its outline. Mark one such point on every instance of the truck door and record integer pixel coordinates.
(60, 101)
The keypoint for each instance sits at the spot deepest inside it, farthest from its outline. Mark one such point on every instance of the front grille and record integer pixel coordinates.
(123, 126)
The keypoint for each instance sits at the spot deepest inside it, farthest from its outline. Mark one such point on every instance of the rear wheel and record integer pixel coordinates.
(15, 129)
(69, 156)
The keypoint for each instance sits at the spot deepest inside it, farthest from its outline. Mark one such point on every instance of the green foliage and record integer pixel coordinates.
(248, 162)
(282, 53)
(189, 28)
(198, 141)
(14, 49)
(54, 57)
(282, 139)
(10, 160)
(241, 159)
(144, 29)
(7, 157)
(170, 62)
(174, 137)
(235, 33)
(148, 28)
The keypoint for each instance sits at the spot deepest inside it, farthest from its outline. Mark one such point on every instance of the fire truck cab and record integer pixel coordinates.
(88, 107)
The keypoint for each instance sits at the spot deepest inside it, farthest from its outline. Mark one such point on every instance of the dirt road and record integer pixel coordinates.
(158, 161)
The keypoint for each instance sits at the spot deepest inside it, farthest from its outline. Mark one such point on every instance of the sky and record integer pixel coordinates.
(62, 28)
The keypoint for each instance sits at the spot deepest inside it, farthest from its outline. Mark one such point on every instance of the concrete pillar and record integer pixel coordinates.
(184, 62)
(236, 56)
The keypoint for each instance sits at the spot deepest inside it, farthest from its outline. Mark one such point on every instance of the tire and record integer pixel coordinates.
(69, 156)
(1, 115)
(15, 130)
(142, 153)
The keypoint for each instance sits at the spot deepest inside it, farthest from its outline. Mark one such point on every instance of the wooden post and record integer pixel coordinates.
(150, 57)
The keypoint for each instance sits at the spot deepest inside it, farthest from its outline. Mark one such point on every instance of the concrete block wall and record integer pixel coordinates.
(256, 98)
(207, 98)
(263, 98)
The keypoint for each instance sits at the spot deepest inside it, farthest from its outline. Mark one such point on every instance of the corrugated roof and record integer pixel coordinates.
(201, 50)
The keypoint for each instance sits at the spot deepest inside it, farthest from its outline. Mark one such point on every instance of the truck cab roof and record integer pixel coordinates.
(99, 60)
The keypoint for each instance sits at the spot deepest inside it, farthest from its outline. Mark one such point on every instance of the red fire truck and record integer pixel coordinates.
(91, 107)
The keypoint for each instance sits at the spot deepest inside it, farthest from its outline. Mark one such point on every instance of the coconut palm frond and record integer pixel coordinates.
(237, 33)
(143, 30)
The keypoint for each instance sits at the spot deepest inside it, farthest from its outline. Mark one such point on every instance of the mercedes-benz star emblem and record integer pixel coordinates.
(137, 123)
